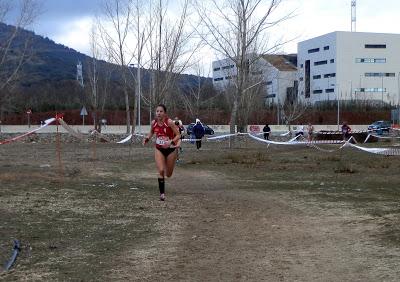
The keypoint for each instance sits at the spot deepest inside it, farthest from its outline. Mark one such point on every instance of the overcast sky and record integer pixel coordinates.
(68, 21)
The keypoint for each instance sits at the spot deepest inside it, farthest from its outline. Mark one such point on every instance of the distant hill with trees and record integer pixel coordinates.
(46, 81)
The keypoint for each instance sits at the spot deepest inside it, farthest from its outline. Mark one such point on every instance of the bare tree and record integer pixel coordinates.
(14, 50)
(192, 99)
(170, 49)
(292, 110)
(114, 32)
(236, 30)
(93, 75)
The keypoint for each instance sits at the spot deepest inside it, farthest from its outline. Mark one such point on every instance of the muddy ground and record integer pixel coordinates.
(250, 213)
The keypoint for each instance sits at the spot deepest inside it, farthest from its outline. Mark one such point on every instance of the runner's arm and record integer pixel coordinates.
(148, 137)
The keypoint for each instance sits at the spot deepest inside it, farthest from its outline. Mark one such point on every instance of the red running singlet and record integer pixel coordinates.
(163, 132)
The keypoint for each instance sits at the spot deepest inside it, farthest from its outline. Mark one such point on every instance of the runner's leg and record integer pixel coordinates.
(161, 165)
(170, 163)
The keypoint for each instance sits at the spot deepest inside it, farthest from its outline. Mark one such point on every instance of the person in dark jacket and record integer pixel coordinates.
(266, 131)
(198, 132)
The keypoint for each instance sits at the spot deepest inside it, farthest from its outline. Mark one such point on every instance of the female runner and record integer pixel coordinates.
(167, 142)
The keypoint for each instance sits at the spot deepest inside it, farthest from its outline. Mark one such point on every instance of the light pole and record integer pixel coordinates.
(338, 104)
(351, 90)
(398, 99)
(382, 89)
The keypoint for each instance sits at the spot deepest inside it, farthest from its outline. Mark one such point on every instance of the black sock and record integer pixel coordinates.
(161, 185)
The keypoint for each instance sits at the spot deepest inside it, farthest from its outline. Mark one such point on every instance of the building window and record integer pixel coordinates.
(329, 75)
(307, 80)
(326, 48)
(317, 92)
(228, 77)
(269, 82)
(332, 61)
(318, 63)
(217, 69)
(313, 50)
(316, 76)
(228, 67)
(218, 79)
(301, 78)
(370, 90)
(370, 60)
(301, 66)
(375, 46)
(380, 74)
(329, 90)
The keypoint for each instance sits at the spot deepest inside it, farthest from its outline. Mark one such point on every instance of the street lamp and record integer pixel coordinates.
(338, 104)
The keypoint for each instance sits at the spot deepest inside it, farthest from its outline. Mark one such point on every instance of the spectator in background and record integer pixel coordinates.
(180, 126)
(267, 131)
(310, 131)
(181, 129)
(198, 132)
(346, 131)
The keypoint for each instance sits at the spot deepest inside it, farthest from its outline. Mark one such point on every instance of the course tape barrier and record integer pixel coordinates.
(221, 136)
(293, 141)
(46, 123)
(271, 142)
(73, 132)
(129, 137)
(379, 151)
(380, 137)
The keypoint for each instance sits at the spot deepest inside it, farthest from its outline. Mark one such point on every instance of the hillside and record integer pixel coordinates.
(47, 80)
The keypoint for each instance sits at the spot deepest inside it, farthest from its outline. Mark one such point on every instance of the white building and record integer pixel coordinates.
(350, 66)
(277, 72)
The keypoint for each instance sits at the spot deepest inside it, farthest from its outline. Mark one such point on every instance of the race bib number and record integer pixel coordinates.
(162, 140)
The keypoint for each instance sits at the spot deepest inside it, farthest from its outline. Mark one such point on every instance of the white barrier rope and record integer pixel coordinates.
(46, 123)
(293, 141)
(385, 137)
(379, 151)
(221, 136)
(73, 132)
(290, 142)
(129, 137)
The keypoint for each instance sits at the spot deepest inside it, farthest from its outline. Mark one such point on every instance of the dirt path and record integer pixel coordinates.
(240, 215)
(213, 232)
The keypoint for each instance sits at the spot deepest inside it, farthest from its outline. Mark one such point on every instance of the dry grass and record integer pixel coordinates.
(76, 226)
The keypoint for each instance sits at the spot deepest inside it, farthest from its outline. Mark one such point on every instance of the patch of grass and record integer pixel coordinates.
(67, 229)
